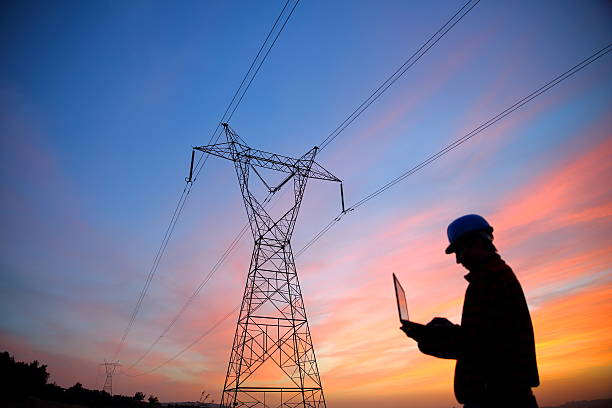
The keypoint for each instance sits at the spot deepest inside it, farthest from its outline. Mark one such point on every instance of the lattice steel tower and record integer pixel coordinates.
(110, 371)
(272, 363)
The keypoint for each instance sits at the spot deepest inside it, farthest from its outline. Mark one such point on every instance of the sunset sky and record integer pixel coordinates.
(101, 102)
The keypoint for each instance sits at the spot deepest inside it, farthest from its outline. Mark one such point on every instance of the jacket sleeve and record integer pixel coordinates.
(442, 341)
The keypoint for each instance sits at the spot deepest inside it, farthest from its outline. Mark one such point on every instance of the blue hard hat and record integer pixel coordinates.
(463, 225)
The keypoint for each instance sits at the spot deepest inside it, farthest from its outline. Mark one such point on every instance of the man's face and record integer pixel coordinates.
(469, 251)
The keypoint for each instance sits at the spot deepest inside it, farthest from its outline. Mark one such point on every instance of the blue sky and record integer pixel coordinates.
(100, 103)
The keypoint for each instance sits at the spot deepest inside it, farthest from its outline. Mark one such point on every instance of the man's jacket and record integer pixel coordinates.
(494, 345)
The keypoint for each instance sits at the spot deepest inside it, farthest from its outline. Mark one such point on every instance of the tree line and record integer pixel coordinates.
(31, 380)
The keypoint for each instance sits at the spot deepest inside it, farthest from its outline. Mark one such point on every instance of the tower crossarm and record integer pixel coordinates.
(238, 152)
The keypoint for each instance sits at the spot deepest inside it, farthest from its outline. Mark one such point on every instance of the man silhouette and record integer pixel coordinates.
(494, 345)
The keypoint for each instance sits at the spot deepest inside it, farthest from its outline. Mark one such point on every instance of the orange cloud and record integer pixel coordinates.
(563, 196)
(354, 326)
(362, 351)
(573, 344)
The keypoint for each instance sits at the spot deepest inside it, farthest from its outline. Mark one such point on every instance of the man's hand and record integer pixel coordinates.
(437, 338)
(440, 322)
(412, 331)
(422, 333)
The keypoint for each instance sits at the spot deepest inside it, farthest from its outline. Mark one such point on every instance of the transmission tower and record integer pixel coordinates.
(110, 371)
(204, 396)
(272, 363)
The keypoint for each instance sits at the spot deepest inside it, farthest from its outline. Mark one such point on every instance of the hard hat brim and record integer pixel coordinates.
(451, 248)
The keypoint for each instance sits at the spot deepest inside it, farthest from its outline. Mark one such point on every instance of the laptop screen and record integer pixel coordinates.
(400, 295)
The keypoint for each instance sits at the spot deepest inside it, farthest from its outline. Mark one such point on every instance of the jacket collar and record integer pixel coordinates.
(482, 270)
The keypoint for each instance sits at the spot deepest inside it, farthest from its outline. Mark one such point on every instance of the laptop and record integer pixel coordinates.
(402, 306)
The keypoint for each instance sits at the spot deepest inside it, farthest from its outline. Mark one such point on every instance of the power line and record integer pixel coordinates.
(158, 256)
(557, 80)
(583, 64)
(193, 343)
(249, 72)
(199, 288)
(200, 164)
(413, 59)
(233, 106)
(264, 58)
(192, 297)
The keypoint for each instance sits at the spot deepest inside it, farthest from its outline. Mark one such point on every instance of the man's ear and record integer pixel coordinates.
(487, 236)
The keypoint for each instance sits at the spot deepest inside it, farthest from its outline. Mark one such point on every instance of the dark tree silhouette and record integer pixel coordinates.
(23, 381)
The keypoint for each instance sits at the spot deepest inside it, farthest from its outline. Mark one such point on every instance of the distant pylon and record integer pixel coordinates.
(110, 370)
(272, 363)
(204, 396)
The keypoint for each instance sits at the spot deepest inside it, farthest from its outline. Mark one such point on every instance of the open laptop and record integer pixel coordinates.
(402, 306)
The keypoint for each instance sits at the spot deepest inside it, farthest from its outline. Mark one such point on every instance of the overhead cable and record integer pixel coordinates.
(554, 82)
(413, 59)
(233, 105)
(192, 297)
(583, 64)
(193, 343)
(249, 77)
(158, 256)
(199, 288)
